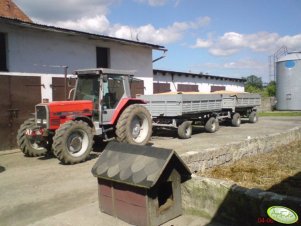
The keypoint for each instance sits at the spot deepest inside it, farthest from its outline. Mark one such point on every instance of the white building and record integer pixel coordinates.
(33, 49)
(165, 81)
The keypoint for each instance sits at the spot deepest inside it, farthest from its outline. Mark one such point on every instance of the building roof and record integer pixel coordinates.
(198, 75)
(41, 27)
(10, 10)
(136, 165)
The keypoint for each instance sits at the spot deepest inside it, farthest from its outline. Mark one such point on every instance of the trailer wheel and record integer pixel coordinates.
(212, 125)
(236, 120)
(29, 147)
(253, 118)
(72, 142)
(134, 125)
(185, 130)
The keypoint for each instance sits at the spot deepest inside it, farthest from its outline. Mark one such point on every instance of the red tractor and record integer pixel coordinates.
(101, 106)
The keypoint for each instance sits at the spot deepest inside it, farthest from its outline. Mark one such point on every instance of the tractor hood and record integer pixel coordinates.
(59, 112)
(78, 106)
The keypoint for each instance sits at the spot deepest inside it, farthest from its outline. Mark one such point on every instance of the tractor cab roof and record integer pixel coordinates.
(99, 71)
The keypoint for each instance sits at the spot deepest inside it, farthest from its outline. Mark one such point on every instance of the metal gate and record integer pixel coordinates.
(18, 96)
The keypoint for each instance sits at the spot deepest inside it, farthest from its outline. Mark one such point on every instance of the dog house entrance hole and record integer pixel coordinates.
(165, 196)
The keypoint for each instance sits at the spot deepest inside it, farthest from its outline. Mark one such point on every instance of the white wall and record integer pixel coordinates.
(34, 51)
(204, 85)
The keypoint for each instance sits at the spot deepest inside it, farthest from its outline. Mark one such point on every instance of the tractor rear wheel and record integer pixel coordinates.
(29, 146)
(134, 125)
(72, 142)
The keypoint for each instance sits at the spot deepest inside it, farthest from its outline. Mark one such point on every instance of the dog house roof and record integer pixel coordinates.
(140, 166)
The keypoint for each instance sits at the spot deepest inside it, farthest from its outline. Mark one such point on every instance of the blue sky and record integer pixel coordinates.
(222, 37)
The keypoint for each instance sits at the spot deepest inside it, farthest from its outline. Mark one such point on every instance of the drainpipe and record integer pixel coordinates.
(161, 57)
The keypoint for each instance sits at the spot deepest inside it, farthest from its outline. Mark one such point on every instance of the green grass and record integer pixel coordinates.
(279, 113)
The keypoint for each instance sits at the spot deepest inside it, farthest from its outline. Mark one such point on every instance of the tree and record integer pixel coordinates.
(253, 82)
(271, 89)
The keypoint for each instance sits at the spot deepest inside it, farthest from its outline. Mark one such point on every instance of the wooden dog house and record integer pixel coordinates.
(140, 184)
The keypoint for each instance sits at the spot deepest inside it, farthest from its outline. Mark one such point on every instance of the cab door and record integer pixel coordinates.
(113, 92)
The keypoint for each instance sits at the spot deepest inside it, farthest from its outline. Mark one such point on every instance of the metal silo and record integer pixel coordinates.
(288, 80)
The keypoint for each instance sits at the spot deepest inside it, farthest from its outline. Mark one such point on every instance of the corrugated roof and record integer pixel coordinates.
(137, 165)
(35, 26)
(199, 75)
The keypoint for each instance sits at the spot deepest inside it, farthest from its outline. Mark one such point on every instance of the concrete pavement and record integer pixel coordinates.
(35, 190)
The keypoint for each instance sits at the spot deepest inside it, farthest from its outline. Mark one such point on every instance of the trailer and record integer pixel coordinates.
(182, 110)
(241, 105)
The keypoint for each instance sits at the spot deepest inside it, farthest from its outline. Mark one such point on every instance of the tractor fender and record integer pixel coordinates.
(122, 105)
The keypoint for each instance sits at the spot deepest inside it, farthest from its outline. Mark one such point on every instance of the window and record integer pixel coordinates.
(188, 88)
(102, 57)
(88, 88)
(161, 87)
(113, 91)
(217, 88)
(3, 66)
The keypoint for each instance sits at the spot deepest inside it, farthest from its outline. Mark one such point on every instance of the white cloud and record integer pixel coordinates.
(58, 10)
(158, 2)
(144, 33)
(245, 64)
(237, 68)
(153, 2)
(97, 24)
(202, 43)
(232, 42)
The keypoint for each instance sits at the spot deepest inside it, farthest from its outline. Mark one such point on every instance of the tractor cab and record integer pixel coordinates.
(105, 88)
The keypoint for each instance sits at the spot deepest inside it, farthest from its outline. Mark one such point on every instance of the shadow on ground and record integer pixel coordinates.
(248, 207)
(2, 169)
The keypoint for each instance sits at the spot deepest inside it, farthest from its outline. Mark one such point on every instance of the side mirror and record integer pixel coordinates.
(71, 81)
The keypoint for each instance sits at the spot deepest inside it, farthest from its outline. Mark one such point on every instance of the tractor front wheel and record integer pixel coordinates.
(72, 142)
(28, 146)
(134, 125)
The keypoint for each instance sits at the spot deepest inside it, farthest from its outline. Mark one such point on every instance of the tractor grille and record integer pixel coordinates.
(42, 116)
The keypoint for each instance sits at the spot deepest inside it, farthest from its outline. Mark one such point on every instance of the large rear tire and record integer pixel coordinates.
(185, 130)
(29, 147)
(134, 125)
(72, 142)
